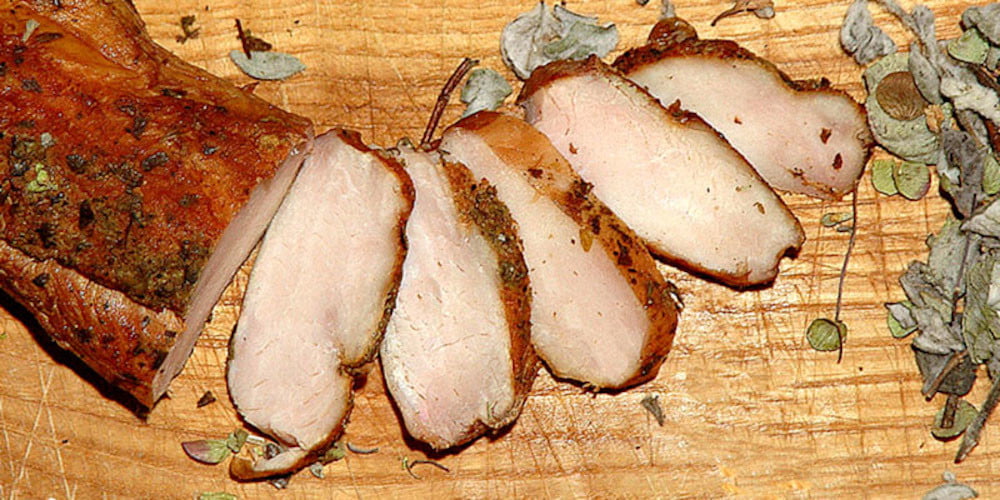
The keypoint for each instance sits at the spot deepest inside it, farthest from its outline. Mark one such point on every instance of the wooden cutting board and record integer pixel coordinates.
(750, 409)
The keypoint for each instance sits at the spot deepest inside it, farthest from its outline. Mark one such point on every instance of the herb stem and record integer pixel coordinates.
(971, 437)
(361, 451)
(843, 267)
(243, 38)
(443, 98)
(932, 385)
(410, 464)
(948, 416)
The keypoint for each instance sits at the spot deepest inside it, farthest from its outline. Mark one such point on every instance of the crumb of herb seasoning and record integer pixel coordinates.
(206, 399)
(189, 32)
(950, 490)
(763, 9)
(216, 495)
(408, 466)
(652, 405)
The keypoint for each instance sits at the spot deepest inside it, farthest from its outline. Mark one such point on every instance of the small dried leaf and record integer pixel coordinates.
(316, 469)
(912, 179)
(963, 417)
(901, 321)
(540, 36)
(217, 495)
(763, 9)
(652, 404)
(267, 65)
(925, 75)
(882, 178)
(971, 47)
(336, 452)
(986, 19)
(991, 175)
(835, 218)
(207, 451)
(899, 97)
(206, 399)
(861, 38)
(236, 440)
(484, 90)
(825, 334)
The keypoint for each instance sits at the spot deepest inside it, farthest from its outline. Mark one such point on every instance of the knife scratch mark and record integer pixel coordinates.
(34, 427)
(70, 493)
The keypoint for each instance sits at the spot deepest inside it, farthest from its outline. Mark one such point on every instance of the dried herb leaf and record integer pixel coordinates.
(361, 451)
(826, 334)
(267, 65)
(207, 451)
(484, 90)
(29, 27)
(861, 38)
(336, 452)
(316, 469)
(964, 415)
(900, 320)
(991, 175)
(909, 139)
(188, 31)
(835, 218)
(763, 9)
(882, 178)
(986, 221)
(206, 399)
(540, 36)
(236, 440)
(652, 404)
(971, 47)
(951, 490)
(925, 75)
(985, 19)
(217, 495)
(913, 179)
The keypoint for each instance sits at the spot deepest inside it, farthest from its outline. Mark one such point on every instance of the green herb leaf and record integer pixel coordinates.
(835, 218)
(267, 65)
(991, 175)
(826, 334)
(882, 178)
(42, 182)
(971, 47)
(217, 495)
(336, 452)
(900, 320)
(207, 451)
(484, 90)
(985, 19)
(964, 415)
(912, 179)
(236, 440)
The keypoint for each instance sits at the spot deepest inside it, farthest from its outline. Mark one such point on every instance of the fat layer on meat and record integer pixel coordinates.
(801, 136)
(602, 313)
(131, 174)
(456, 356)
(668, 175)
(320, 293)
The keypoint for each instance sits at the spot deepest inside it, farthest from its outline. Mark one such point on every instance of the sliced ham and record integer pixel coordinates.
(602, 313)
(801, 136)
(318, 299)
(457, 353)
(133, 184)
(693, 199)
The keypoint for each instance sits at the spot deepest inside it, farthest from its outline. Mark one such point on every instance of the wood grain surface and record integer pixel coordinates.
(751, 410)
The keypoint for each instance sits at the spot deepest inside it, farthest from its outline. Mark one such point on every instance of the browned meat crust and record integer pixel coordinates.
(122, 166)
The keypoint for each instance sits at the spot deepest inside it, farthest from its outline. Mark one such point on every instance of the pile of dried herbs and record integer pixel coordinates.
(939, 104)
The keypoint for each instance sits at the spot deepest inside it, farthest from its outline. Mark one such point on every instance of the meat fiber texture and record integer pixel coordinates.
(673, 179)
(320, 294)
(134, 187)
(801, 136)
(602, 314)
(457, 355)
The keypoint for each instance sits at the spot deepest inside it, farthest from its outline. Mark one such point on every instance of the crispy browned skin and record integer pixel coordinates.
(121, 165)
(512, 140)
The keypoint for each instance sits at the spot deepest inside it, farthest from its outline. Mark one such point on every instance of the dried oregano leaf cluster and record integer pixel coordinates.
(939, 104)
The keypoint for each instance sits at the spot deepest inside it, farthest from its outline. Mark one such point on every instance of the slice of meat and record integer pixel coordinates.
(602, 314)
(318, 299)
(801, 136)
(667, 174)
(133, 187)
(457, 353)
